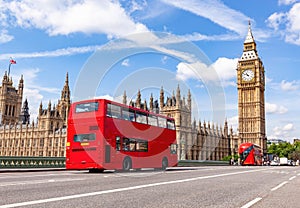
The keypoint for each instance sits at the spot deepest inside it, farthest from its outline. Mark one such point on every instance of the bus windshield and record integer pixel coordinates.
(86, 107)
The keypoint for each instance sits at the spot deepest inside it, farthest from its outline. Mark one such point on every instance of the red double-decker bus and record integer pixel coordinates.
(103, 134)
(250, 154)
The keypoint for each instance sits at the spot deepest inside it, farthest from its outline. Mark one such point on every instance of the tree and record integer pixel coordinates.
(285, 149)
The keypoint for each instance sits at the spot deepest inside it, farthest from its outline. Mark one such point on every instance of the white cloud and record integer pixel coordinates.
(125, 62)
(287, 24)
(282, 132)
(289, 86)
(275, 109)
(137, 5)
(86, 16)
(108, 97)
(5, 37)
(224, 68)
(288, 127)
(233, 122)
(215, 11)
(59, 52)
(286, 2)
(276, 19)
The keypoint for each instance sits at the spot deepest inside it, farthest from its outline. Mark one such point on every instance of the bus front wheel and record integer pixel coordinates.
(127, 164)
(164, 163)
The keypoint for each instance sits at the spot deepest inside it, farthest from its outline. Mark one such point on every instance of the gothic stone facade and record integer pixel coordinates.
(195, 141)
(19, 137)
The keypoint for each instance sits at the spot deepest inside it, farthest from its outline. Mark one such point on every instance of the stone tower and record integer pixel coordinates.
(10, 100)
(55, 117)
(251, 98)
(65, 101)
(25, 116)
(177, 108)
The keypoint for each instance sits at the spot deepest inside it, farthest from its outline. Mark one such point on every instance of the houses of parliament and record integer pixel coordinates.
(196, 140)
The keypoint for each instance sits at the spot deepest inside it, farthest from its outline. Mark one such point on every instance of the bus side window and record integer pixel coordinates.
(125, 114)
(170, 124)
(118, 143)
(108, 110)
(131, 115)
(152, 120)
(162, 122)
(173, 148)
(141, 117)
(125, 144)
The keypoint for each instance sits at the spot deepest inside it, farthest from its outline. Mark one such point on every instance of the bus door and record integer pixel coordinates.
(112, 150)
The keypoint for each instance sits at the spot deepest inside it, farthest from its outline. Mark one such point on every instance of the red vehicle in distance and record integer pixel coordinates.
(250, 154)
(103, 134)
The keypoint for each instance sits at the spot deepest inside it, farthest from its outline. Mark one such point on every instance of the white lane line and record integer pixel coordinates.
(33, 176)
(291, 178)
(38, 182)
(298, 174)
(249, 204)
(121, 189)
(280, 185)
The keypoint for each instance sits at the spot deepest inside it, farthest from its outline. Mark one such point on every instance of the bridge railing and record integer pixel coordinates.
(32, 162)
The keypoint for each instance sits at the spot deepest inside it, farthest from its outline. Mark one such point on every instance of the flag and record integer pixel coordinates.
(12, 61)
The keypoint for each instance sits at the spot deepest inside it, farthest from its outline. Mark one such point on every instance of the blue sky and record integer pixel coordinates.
(49, 38)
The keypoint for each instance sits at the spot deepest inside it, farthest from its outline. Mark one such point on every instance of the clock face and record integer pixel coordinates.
(247, 75)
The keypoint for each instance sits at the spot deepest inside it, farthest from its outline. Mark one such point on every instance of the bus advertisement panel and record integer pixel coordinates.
(250, 154)
(103, 134)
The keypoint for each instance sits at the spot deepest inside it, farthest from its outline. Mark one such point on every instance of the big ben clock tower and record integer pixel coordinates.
(251, 95)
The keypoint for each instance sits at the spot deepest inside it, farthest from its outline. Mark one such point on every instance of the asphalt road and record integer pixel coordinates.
(215, 186)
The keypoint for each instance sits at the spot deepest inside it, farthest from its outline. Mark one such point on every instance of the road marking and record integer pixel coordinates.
(298, 174)
(32, 176)
(249, 204)
(121, 189)
(291, 178)
(277, 187)
(39, 182)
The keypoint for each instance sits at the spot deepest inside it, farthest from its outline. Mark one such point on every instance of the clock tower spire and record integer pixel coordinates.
(251, 94)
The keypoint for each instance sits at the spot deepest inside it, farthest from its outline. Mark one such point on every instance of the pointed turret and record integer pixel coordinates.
(145, 105)
(249, 46)
(41, 109)
(189, 100)
(138, 99)
(49, 106)
(21, 84)
(124, 98)
(178, 98)
(226, 128)
(249, 37)
(151, 103)
(161, 98)
(25, 116)
(65, 94)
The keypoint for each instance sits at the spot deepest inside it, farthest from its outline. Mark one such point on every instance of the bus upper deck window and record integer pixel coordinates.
(86, 107)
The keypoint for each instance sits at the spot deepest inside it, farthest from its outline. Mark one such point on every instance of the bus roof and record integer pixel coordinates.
(121, 105)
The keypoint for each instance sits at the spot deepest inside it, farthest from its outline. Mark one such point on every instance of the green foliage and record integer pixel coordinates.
(227, 158)
(285, 149)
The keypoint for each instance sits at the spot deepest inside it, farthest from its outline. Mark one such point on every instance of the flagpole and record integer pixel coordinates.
(10, 63)
(9, 69)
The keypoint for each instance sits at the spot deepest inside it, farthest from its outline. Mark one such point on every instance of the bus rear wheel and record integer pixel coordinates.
(127, 164)
(164, 163)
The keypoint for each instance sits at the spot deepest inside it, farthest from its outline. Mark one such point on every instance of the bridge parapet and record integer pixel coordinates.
(32, 162)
